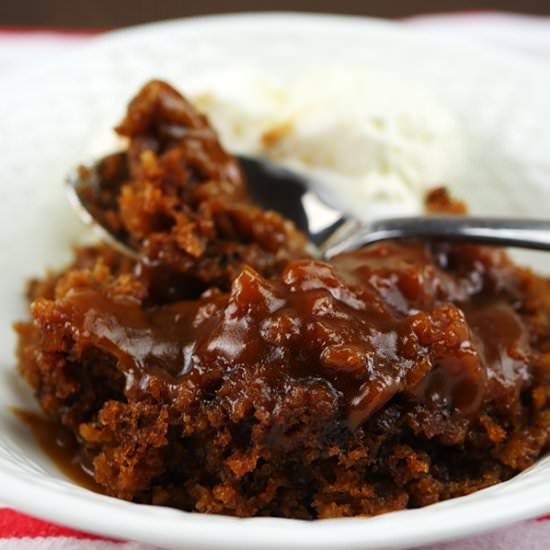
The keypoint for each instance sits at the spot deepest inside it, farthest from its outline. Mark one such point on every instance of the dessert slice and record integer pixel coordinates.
(226, 372)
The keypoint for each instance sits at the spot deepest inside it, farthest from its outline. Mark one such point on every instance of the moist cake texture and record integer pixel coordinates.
(226, 371)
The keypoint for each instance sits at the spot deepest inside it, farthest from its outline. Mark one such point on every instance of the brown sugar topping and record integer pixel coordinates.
(318, 321)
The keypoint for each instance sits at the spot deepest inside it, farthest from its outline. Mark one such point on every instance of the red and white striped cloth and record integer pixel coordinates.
(21, 532)
(20, 48)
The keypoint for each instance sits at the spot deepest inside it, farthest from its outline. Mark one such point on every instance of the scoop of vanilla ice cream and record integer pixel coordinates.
(373, 143)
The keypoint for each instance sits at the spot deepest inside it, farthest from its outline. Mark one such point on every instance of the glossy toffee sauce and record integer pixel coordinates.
(60, 447)
(373, 324)
(369, 324)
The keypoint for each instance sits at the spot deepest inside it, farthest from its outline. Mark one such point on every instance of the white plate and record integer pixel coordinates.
(48, 117)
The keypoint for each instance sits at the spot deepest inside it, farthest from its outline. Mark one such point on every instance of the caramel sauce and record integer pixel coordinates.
(369, 324)
(60, 446)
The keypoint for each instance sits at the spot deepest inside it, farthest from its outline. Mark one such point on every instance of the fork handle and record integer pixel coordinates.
(518, 233)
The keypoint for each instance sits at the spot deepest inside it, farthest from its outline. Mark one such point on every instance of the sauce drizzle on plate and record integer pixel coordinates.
(60, 447)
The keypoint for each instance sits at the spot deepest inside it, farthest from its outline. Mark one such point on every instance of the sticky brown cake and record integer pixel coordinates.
(225, 371)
